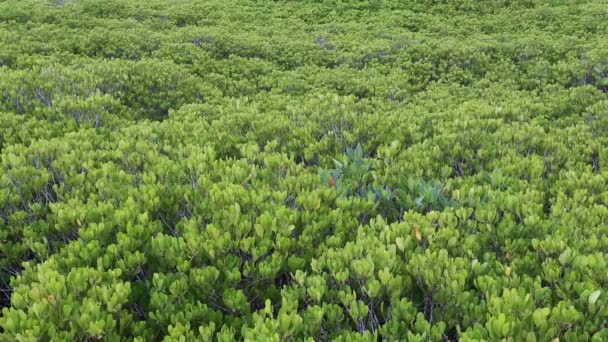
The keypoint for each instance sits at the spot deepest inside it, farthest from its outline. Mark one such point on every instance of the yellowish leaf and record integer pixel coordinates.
(418, 234)
(400, 243)
(259, 230)
(508, 271)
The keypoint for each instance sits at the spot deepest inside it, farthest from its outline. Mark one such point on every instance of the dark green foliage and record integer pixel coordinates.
(355, 177)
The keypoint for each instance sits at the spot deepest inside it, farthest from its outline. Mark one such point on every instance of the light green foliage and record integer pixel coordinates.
(303, 171)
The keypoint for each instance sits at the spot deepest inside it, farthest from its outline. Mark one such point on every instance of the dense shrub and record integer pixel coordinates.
(319, 170)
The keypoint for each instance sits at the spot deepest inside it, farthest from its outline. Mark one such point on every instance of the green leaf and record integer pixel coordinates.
(593, 297)
(259, 230)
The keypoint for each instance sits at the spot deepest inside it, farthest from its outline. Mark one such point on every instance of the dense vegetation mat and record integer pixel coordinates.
(304, 170)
